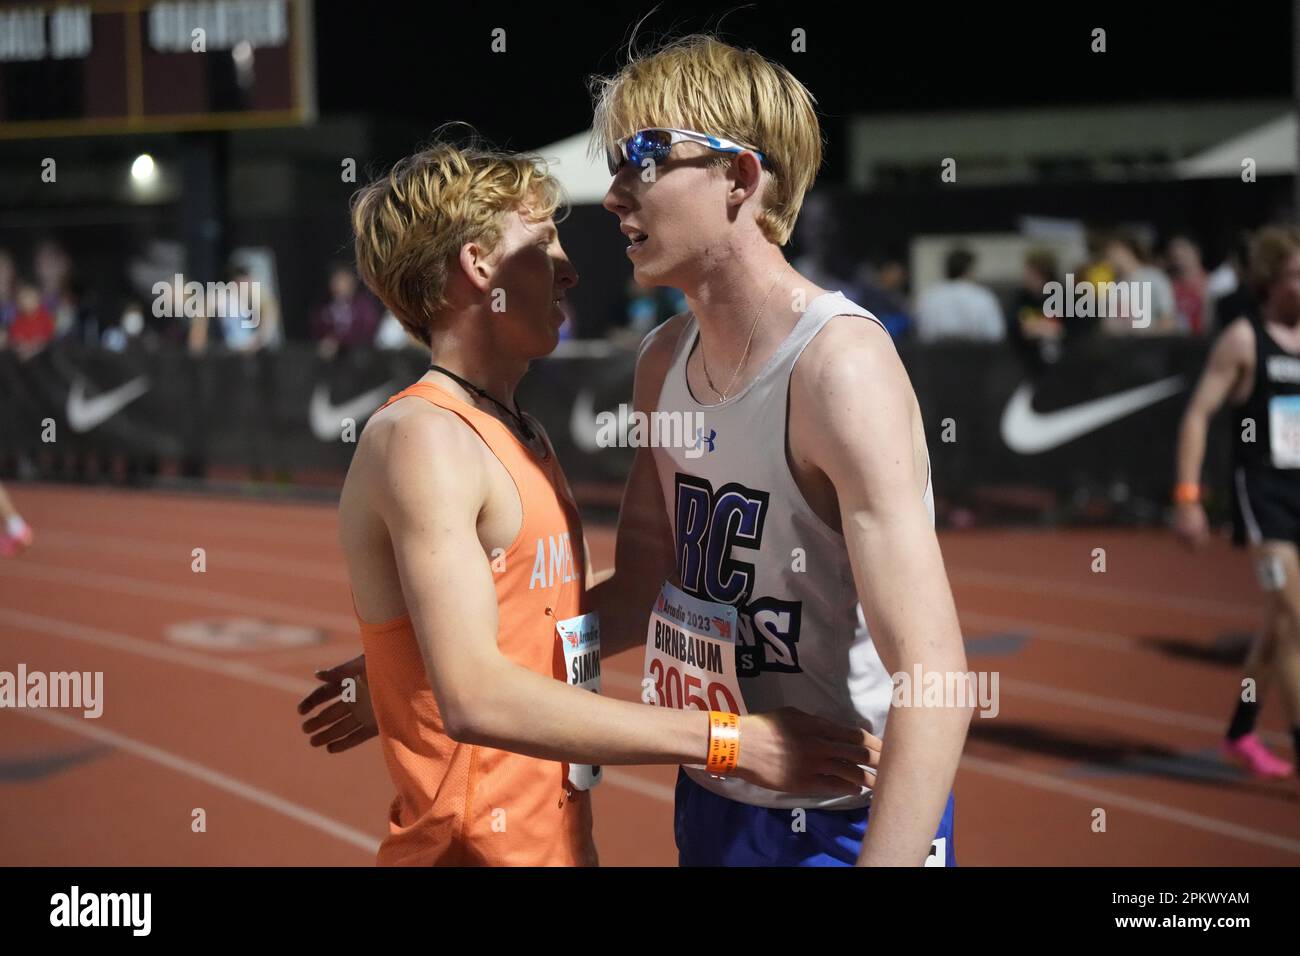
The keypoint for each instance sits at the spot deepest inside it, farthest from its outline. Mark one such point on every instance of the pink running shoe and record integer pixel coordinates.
(1249, 753)
(15, 541)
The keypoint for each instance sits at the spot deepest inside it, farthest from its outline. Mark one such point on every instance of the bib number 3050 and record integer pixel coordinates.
(690, 654)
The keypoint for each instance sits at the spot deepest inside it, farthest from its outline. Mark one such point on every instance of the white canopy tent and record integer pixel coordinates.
(1272, 146)
(584, 179)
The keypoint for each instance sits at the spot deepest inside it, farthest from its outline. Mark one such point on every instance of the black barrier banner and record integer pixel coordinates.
(1104, 416)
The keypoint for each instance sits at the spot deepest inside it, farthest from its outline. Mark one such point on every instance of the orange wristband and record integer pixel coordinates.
(1187, 492)
(724, 742)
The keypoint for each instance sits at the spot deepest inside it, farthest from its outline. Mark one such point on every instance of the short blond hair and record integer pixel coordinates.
(410, 224)
(1270, 248)
(700, 83)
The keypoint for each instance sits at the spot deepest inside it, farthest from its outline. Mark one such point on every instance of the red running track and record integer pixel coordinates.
(1114, 690)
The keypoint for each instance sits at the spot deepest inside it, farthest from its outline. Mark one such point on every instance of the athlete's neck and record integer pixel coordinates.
(496, 375)
(1272, 316)
(727, 299)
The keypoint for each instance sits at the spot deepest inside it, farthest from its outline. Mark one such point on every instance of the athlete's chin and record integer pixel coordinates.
(546, 342)
(649, 276)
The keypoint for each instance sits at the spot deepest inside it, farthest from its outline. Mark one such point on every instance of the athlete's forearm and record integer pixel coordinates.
(513, 708)
(1191, 446)
(919, 640)
(913, 622)
(917, 768)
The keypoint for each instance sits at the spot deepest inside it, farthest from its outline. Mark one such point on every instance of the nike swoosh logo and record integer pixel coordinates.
(583, 424)
(326, 418)
(1029, 432)
(87, 413)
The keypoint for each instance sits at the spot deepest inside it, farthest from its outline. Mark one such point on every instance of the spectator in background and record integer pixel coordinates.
(1127, 255)
(391, 335)
(883, 293)
(1189, 284)
(820, 238)
(33, 326)
(8, 292)
(1097, 270)
(1033, 329)
(646, 310)
(129, 327)
(53, 270)
(1230, 285)
(349, 319)
(959, 309)
(642, 308)
(248, 321)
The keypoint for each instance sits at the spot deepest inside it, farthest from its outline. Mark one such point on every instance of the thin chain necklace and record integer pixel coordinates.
(517, 414)
(748, 342)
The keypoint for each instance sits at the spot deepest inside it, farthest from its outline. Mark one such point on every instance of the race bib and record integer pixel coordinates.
(1284, 430)
(580, 638)
(938, 852)
(690, 654)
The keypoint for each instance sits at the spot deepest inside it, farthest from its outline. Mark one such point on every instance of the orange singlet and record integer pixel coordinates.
(464, 805)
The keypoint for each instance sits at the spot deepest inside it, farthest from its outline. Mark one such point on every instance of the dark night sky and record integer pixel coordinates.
(431, 62)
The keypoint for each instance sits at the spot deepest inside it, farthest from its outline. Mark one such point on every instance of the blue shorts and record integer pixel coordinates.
(714, 831)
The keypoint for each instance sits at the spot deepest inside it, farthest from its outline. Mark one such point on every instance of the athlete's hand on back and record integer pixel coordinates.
(794, 752)
(1191, 524)
(349, 720)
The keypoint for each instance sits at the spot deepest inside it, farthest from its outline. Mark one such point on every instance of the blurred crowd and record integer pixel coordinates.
(45, 302)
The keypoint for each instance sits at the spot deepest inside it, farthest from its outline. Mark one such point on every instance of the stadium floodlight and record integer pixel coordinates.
(143, 170)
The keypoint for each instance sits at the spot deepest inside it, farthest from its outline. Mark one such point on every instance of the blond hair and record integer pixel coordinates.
(409, 225)
(703, 84)
(1270, 248)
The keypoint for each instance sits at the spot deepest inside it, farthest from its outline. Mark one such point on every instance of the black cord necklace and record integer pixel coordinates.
(517, 414)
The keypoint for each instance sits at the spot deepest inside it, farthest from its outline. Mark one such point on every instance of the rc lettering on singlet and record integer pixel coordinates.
(690, 653)
(1284, 430)
(710, 526)
(580, 638)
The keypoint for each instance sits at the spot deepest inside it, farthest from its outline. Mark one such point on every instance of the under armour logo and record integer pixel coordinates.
(699, 438)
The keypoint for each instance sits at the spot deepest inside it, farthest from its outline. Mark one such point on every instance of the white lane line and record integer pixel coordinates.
(236, 670)
(1104, 595)
(211, 777)
(204, 597)
(1108, 799)
(1121, 708)
(215, 556)
(1041, 630)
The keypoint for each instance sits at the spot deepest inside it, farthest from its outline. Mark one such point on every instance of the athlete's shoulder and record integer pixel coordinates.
(414, 434)
(1237, 340)
(850, 349)
(654, 358)
(661, 342)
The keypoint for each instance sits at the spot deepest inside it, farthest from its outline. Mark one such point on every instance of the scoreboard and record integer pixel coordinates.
(119, 66)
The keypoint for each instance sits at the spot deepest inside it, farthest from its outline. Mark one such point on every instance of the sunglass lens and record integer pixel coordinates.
(653, 144)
